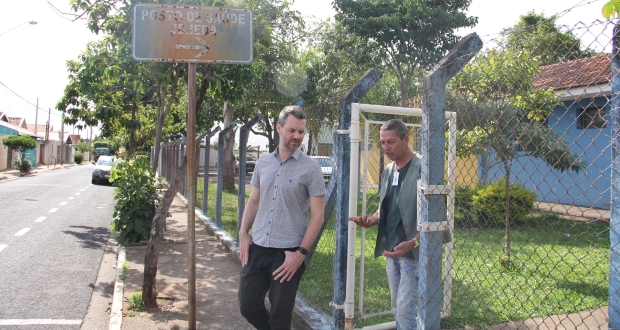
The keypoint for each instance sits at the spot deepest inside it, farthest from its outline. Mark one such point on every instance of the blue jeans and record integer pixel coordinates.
(402, 273)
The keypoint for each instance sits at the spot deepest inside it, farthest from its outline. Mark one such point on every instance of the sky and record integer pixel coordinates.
(33, 57)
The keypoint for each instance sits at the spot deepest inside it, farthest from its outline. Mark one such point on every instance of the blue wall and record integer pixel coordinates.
(588, 188)
(31, 154)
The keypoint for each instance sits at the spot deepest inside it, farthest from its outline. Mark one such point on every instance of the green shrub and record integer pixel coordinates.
(490, 202)
(464, 211)
(135, 302)
(23, 165)
(136, 199)
(78, 157)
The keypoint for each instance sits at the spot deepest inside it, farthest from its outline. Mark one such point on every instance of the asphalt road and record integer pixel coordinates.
(53, 230)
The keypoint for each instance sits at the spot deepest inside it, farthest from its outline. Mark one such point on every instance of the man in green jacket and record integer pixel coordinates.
(398, 237)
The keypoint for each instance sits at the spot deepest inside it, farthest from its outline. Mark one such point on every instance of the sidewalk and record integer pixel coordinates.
(12, 173)
(217, 278)
(572, 212)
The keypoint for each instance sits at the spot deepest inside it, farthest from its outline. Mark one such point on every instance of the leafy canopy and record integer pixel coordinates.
(408, 34)
(544, 40)
(611, 8)
(20, 143)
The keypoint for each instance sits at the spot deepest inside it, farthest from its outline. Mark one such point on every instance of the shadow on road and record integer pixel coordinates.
(90, 237)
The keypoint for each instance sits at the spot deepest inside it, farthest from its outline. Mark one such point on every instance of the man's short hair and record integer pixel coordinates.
(294, 110)
(396, 125)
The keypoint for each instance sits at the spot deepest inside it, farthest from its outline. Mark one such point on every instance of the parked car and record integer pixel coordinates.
(327, 164)
(102, 151)
(101, 172)
(250, 163)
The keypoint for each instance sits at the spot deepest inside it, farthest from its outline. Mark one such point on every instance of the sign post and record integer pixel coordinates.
(175, 33)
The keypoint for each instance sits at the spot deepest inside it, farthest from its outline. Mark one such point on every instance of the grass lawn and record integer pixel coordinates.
(557, 266)
(229, 206)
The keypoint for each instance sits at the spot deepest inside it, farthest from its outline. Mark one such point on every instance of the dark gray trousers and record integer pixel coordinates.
(256, 279)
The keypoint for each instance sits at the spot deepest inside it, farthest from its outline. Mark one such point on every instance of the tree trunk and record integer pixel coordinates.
(310, 144)
(149, 291)
(507, 208)
(229, 157)
(268, 132)
(162, 113)
(157, 143)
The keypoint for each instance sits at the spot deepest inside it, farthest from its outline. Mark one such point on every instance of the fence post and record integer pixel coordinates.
(614, 232)
(205, 187)
(432, 207)
(243, 151)
(340, 191)
(220, 179)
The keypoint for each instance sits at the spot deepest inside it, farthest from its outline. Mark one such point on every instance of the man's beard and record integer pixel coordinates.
(288, 144)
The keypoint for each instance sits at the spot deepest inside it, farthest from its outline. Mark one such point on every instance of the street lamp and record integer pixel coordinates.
(29, 22)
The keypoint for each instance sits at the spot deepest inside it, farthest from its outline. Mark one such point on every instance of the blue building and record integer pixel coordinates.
(583, 88)
(9, 129)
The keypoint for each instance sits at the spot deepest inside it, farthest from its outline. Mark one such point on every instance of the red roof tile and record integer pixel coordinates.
(582, 72)
(17, 121)
(40, 128)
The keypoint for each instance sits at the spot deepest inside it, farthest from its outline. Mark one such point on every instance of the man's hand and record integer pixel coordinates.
(364, 221)
(402, 248)
(292, 262)
(245, 241)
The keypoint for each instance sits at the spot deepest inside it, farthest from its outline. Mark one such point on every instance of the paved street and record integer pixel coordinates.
(53, 230)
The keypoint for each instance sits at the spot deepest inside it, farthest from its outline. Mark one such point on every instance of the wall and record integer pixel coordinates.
(589, 188)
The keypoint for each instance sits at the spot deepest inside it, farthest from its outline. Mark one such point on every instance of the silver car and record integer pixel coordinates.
(101, 172)
(327, 164)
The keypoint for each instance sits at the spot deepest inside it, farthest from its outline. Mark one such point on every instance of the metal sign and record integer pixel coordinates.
(174, 33)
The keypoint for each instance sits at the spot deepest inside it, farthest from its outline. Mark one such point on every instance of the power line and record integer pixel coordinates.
(55, 113)
(59, 12)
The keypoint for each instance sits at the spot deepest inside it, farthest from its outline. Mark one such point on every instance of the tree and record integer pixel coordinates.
(20, 143)
(501, 116)
(409, 35)
(543, 39)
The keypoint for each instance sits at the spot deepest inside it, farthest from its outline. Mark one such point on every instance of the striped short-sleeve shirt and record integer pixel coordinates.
(285, 191)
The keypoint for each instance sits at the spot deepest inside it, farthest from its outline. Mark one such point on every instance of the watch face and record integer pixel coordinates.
(303, 251)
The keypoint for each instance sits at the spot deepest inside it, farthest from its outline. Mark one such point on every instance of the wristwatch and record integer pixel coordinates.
(302, 251)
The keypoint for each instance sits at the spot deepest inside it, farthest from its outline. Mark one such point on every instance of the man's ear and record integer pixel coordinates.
(278, 128)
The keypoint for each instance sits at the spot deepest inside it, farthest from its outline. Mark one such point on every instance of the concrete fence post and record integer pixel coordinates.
(432, 206)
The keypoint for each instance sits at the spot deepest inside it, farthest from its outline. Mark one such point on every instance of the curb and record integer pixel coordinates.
(116, 311)
(305, 315)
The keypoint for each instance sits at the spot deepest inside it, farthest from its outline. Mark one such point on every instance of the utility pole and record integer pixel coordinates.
(62, 140)
(49, 123)
(36, 117)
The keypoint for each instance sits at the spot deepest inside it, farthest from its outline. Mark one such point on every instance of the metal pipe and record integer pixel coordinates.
(191, 194)
(354, 135)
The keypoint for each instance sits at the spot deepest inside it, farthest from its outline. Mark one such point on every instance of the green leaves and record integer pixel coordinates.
(540, 36)
(612, 8)
(136, 198)
(408, 35)
(20, 143)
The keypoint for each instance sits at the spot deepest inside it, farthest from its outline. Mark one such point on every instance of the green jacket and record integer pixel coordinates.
(407, 204)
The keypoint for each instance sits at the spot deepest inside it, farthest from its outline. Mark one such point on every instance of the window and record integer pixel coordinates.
(592, 118)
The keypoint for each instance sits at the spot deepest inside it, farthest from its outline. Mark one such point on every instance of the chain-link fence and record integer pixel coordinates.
(532, 189)
(533, 199)
(533, 168)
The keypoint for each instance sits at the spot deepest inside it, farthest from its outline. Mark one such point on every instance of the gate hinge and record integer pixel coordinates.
(433, 226)
(436, 189)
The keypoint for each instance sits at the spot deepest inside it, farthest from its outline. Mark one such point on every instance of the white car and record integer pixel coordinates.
(327, 165)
